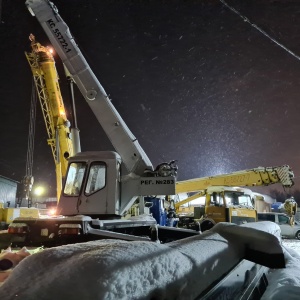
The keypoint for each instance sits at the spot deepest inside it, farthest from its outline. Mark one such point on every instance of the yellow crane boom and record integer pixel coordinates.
(252, 177)
(261, 176)
(46, 79)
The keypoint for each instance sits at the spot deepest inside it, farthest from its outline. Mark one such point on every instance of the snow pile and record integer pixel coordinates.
(257, 232)
(114, 269)
(261, 241)
(266, 226)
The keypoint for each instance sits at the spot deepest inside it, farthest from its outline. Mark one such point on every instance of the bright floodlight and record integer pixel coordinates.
(38, 191)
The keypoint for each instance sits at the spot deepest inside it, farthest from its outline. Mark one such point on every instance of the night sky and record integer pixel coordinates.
(191, 79)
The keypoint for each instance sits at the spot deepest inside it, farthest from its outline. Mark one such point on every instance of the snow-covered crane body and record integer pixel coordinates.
(215, 265)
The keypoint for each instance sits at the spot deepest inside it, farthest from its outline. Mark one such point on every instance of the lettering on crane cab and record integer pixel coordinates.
(157, 181)
(59, 36)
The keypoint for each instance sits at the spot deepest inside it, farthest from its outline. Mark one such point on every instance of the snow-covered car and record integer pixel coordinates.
(288, 230)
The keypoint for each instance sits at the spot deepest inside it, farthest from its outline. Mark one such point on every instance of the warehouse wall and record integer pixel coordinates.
(8, 191)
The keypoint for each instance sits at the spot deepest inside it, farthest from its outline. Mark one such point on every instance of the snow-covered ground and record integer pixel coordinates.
(292, 244)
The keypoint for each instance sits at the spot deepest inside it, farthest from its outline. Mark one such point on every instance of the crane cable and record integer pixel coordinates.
(245, 19)
(30, 146)
(24, 191)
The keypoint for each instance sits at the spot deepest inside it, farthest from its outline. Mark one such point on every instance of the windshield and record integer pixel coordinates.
(74, 178)
(237, 198)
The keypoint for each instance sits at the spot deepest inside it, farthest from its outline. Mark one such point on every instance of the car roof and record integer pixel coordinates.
(271, 213)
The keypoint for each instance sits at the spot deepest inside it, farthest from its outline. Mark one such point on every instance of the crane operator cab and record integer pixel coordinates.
(94, 186)
(91, 185)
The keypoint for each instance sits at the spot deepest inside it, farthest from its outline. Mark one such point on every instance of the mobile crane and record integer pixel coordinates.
(97, 191)
(99, 186)
(224, 201)
(63, 140)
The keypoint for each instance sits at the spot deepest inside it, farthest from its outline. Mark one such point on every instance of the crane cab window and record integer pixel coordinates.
(96, 178)
(216, 199)
(245, 200)
(238, 198)
(233, 198)
(74, 178)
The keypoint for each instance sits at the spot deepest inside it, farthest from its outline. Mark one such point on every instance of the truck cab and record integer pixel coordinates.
(229, 205)
(221, 204)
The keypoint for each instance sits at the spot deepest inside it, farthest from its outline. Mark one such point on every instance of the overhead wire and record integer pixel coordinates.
(245, 19)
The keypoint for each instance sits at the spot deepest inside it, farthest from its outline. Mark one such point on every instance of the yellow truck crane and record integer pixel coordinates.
(225, 200)
(62, 141)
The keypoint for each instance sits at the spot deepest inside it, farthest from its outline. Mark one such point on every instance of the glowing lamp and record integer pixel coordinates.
(39, 190)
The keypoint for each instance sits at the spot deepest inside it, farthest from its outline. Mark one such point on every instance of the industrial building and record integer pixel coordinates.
(8, 192)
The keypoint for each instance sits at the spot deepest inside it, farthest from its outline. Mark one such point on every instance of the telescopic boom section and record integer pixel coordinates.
(46, 79)
(124, 142)
(260, 176)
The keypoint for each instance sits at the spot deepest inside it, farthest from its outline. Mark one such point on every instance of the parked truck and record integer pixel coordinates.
(225, 199)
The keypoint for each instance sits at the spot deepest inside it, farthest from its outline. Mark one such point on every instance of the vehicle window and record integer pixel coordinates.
(283, 219)
(266, 217)
(74, 179)
(237, 198)
(96, 178)
(229, 197)
(245, 200)
(216, 199)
